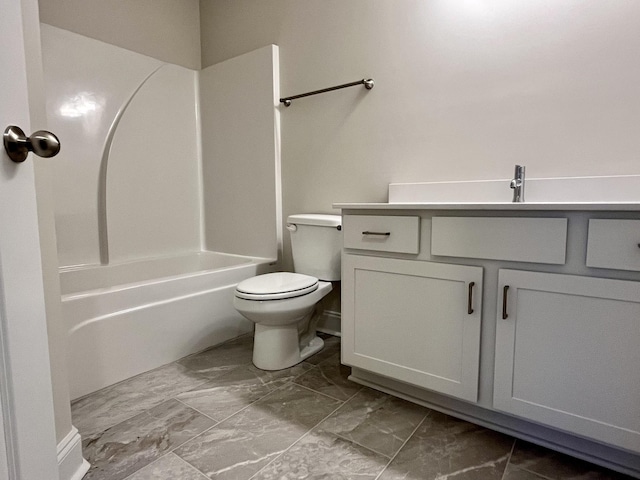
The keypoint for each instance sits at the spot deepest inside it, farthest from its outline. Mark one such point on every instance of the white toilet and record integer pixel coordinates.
(283, 304)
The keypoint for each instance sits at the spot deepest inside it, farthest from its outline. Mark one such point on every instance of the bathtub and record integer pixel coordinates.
(132, 317)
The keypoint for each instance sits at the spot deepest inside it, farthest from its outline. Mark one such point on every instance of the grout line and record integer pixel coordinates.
(326, 394)
(229, 416)
(403, 445)
(212, 347)
(308, 431)
(213, 426)
(193, 408)
(247, 406)
(159, 399)
(161, 457)
(539, 475)
(156, 460)
(351, 440)
(101, 432)
(536, 474)
(290, 382)
(192, 438)
(506, 467)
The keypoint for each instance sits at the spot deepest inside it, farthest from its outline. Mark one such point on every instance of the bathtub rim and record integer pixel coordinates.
(70, 269)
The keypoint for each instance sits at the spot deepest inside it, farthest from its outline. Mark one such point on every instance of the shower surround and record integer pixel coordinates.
(152, 174)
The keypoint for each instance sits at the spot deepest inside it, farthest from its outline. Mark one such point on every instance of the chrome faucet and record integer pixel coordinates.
(518, 184)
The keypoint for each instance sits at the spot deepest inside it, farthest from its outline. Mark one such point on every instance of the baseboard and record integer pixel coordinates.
(71, 465)
(330, 322)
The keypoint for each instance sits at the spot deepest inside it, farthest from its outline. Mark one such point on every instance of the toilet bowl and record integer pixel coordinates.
(283, 305)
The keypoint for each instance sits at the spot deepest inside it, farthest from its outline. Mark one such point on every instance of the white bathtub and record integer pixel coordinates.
(129, 318)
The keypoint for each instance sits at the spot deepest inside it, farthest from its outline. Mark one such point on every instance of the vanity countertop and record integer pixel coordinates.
(524, 206)
(613, 193)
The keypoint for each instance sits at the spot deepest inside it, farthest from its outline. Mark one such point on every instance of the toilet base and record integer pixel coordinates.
(277, 347)
(315, 345)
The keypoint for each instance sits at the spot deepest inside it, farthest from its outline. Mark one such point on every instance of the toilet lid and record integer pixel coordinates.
(275, 286)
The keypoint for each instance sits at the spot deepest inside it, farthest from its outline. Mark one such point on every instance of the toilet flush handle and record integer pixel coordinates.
(292, 227)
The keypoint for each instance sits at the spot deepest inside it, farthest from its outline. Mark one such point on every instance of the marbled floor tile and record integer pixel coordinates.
(232, 392)
(558, 466)
(322, 454)
(169, 467)
(108, 407)
(331, 347)
(241, 445)
(131, 445)
(446, 448)
(514, 473)
(376, 420)
(330, 378)
(220, 359)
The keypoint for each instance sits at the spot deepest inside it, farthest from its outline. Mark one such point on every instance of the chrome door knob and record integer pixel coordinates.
(18, 145)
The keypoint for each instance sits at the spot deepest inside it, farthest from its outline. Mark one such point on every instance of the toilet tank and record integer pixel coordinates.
(316, 244)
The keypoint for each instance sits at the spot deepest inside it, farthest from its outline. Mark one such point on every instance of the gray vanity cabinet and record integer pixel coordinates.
(555, 360)
(414, 321)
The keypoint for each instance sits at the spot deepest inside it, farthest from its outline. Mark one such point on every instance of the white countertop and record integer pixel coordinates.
(524, 206)
(612, 193)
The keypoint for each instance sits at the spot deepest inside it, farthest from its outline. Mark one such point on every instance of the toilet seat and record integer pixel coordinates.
(276, 286)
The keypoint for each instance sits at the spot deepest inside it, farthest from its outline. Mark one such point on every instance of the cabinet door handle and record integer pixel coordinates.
(470, 299)
(504, 302)
(385, 234)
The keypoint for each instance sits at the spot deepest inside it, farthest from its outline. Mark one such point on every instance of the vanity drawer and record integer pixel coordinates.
(385, 233)
(614, 244)
(518, 239)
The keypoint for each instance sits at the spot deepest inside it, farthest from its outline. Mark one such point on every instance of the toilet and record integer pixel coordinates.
(283, 304)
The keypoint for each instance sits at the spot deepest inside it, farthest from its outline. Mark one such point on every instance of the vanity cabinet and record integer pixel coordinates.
(547, 350)
(414, 321)
(423, 301)
(567, 354)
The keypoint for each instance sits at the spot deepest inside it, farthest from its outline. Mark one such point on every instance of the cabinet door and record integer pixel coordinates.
(568, 354)
(418, 322)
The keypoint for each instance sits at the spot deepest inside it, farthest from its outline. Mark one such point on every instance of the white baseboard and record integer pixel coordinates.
(71, 465)
(330, 322)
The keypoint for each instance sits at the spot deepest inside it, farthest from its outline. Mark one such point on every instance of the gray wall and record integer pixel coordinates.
(464, 89)
(168, 30)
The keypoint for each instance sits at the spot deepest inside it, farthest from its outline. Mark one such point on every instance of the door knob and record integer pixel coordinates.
(18, 145)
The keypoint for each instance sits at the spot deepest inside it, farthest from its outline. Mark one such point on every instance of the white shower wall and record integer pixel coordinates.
(129, 183)
(86, 83)
(152, 179)
(241, 154)
(153, 172)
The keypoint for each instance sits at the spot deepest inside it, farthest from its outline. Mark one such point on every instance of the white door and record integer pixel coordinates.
(28, 444)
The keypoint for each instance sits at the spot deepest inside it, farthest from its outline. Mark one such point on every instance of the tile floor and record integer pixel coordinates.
(213, 415)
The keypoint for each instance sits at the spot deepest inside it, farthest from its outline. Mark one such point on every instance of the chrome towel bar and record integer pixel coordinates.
(368, 84)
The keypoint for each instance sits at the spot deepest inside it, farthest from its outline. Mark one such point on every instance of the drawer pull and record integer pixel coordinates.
(470, 300)
(384, 234)
(504, 302)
